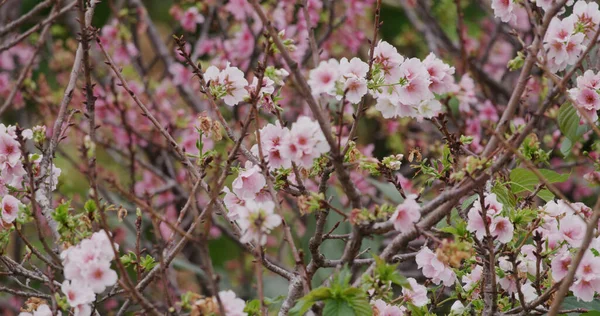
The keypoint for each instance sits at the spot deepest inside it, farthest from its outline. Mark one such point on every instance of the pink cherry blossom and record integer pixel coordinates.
(10, 152)
(77, 292)
(503, 9)
(384, 309)
(529, 293)
(234, 204)
(355, 88)
(249, 182)
(82, 310)
(428, 109)
(584, 289)
(572, 229)
(588, 16)
(305, 142)
(240, 9)
(190, 18)
(229, 84)
(10, 208)
(589, 267)
(470, 280)
(441, 74)
(233, 305)
(416, 88)
(417, 294)
(272, 139)
(433, 268)
(323, 78)
(99, 275)
(406, 214)
(502, 228)
(562, 43)
(388, 59)
(258, 220)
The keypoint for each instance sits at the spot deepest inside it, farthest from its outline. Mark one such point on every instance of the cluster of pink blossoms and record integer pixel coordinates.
(251, 206)
(117, 40)
(586, 95)
(499, 226)
(300, 144)
(407, 87)
(566, 38)
(13, 174)
(526, 263)
(87, 271)
(416, 295)
(508, 10)
(11, 166)
(248, 201)
(564, 226)
(434, 269)
(403, 87)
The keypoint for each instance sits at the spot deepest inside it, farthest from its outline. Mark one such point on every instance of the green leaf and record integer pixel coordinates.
(565, 147)
(568, 122)
(546, 195)
(90, 206)
(252, 308)
(306, 302)
(340, 299)
(361, 305)
(504, 195)
(148, 263)
(388, 190)
(468, 201)
(572, 302)
(525, 180)
(338, 308)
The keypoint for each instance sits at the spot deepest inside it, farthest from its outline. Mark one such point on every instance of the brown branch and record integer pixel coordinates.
(38, 26)
(23, 18)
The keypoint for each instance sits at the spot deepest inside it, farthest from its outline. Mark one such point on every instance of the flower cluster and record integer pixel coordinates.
(343, 78)
(415, 294)
(563, 43)
(435, 269)
(13, 173)
(251, 205)
(117, 40)
(87, 271)
(301, 144)
(407, 87)
(499, 226)
(564, 228)
(403, 87)
(586, 95)
(11, 166)
(567, 37)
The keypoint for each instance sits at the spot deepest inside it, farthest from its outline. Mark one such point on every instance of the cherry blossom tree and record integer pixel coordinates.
(313, 157)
